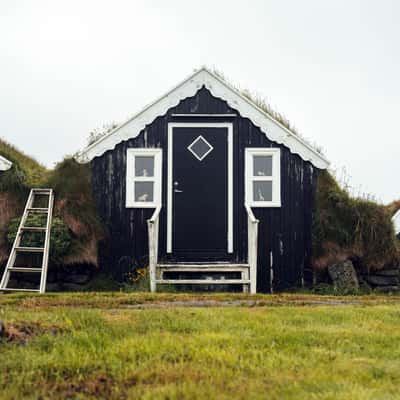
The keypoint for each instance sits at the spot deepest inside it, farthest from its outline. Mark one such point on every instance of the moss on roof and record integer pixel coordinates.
(31, 172)
(351, 227)
(262, 103)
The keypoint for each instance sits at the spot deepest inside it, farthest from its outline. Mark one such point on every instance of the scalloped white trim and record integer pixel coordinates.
(4, 164)
(275, 131)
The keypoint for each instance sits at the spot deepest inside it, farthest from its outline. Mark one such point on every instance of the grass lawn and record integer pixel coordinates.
(96, 345)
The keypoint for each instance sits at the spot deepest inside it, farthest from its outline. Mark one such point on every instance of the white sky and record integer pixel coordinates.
(332, 67)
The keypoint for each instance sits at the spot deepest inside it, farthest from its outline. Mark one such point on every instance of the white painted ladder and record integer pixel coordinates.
(17, 248)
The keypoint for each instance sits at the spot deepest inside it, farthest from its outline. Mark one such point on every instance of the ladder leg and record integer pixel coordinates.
(5, 279)
(10, 263)
(45, 261)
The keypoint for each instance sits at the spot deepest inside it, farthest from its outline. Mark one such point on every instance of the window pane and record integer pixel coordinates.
(200, 148)
(144, 166)
(144, 191)
(262, 165)
(262, 191)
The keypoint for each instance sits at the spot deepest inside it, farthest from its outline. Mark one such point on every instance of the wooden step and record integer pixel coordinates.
(25, 269)
(203, 267)
(212, 264)
(33, 228)
(203, 281)
(30, 249)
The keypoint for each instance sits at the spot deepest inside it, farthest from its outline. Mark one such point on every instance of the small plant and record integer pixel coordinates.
(137, 280)
(132, 277)
(98, 133)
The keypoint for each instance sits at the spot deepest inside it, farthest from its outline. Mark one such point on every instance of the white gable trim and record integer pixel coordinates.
(396, 222)
(4, 164)
(274, 130)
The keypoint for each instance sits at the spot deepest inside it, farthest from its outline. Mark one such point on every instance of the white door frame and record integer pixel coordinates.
(171, 127)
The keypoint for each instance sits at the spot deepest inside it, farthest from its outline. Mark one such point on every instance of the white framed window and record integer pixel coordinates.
(143, 178)
(263, 177)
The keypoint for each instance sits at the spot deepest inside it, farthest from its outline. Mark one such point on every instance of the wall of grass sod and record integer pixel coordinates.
(77, 229)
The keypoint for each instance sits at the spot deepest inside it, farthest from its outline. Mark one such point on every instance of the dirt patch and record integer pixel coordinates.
(21, 332)
(94, 386)
(172, 376)
(115, 300)
(99, 386)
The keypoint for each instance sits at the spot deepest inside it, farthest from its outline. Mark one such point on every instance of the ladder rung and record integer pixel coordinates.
(221, 265)
(24, 269)
(30, 249)
(18, 290)
(33, 228)
(38, 209)
(42, 190)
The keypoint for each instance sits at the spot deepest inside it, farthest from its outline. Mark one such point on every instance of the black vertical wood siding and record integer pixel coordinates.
(284, 231)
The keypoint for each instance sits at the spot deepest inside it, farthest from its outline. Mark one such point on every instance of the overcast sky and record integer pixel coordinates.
(331, 67)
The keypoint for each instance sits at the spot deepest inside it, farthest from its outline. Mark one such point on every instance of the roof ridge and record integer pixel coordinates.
(219, 88)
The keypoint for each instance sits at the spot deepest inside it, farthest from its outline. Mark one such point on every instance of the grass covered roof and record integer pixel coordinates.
(74, 203)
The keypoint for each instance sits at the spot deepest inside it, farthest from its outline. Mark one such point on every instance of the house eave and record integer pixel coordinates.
(396, 222)
(272, 128)
(5, 164)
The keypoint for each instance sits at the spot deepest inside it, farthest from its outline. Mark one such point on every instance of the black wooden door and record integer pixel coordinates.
(200, 193)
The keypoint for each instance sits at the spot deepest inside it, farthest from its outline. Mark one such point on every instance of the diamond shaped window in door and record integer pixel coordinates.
(200, 148)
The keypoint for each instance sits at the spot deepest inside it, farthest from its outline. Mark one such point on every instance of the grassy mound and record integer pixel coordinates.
(25, 173)
(345, 227)
(74, 205)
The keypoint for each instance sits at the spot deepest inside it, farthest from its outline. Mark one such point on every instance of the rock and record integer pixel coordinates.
(378, 280)
(388, 272)
(344, 276)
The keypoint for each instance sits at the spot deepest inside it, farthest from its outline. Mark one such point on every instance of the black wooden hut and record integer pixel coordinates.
(207, 188)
